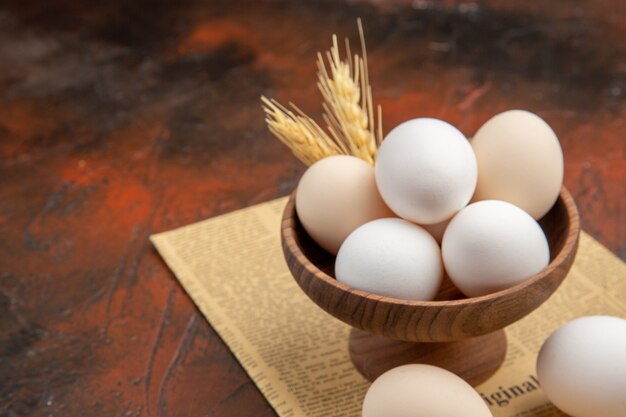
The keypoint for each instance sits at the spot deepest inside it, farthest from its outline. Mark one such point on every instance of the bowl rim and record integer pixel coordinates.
(570, 244)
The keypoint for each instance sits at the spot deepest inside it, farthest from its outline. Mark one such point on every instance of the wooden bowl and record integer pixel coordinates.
(463, 335)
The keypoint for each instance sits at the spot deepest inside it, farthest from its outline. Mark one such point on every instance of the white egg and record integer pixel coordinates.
(426, 170)
(422, 391)
(492, 245)
(393, 258)
(582, 367)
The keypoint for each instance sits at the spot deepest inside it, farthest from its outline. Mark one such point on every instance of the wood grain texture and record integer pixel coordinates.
(442, 320)
(123, 118)
(474, 359)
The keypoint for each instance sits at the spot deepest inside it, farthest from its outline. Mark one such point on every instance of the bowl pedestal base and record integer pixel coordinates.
(474, 359)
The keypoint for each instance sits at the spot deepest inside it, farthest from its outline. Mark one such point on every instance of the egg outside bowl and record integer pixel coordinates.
(463, 335)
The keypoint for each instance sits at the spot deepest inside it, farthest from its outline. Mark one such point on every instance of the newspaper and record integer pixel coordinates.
(233, 268)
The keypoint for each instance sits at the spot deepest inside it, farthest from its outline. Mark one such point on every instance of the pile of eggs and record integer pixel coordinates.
(435, 201)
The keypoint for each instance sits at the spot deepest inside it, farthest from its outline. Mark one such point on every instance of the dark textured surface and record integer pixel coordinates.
(119, 119)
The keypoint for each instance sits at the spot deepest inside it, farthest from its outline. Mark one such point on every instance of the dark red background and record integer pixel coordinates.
(120, 119)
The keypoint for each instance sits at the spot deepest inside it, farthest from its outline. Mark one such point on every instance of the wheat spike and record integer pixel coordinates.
(300, 133)
(348, 111)
(348, 106)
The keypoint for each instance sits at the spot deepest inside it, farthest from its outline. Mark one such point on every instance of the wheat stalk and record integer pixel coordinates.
(348, 105)
(299, 132)
(348, 111)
